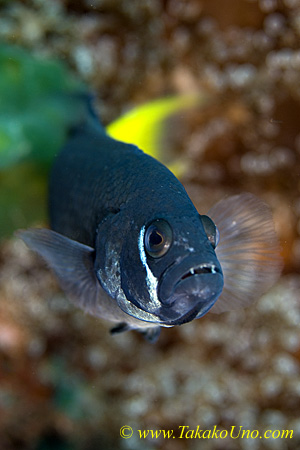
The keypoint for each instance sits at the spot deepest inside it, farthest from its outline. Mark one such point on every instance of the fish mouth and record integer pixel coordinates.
(201, 269)
(189, 288)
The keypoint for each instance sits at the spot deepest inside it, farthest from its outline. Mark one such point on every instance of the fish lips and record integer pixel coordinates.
(189, 288)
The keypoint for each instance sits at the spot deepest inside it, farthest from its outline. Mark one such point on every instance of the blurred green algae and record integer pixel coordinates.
(39, 101)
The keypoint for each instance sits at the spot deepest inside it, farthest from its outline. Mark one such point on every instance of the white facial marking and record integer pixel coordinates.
(151, 280)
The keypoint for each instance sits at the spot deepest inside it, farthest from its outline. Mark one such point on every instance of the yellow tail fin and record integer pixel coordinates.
(144, 126)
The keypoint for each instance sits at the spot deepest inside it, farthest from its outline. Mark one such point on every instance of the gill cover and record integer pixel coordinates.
(119, 269)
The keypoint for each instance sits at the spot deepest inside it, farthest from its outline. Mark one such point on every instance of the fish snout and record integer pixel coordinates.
(190, 288)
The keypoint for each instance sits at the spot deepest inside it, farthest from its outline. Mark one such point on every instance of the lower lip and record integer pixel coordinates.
(201, 287)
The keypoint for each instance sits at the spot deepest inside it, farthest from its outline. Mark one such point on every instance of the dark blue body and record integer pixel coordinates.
(95, 176)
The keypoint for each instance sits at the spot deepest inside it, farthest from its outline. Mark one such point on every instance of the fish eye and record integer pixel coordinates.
(211, 230)
(158, 238)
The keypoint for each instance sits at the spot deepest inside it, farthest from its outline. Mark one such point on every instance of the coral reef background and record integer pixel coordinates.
(65, 383)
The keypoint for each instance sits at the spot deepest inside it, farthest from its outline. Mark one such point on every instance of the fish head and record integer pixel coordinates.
(163, 268)
(179, 257)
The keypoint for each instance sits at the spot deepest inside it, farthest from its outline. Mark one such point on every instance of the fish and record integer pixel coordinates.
(127, 244)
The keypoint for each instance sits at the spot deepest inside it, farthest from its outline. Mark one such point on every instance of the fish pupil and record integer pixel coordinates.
(155, 238)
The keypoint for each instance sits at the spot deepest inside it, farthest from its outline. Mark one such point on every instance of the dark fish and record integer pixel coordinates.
(128, 245)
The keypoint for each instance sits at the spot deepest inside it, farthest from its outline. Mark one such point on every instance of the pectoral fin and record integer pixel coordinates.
(120, 328)
(248, 251)
(71, 261)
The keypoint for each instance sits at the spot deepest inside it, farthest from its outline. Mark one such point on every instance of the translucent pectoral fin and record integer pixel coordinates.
(71, 261)
(248, 251)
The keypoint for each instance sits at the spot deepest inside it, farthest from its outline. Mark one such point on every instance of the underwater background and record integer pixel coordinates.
(65, 382)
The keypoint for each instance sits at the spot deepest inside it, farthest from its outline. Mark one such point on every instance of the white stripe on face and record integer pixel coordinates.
(151, 280)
